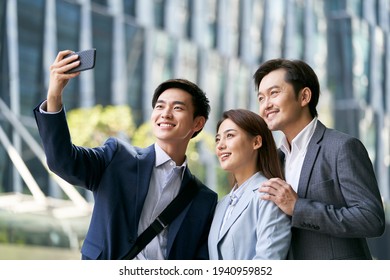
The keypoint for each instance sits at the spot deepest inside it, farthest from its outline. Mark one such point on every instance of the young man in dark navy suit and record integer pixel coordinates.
(132, 185)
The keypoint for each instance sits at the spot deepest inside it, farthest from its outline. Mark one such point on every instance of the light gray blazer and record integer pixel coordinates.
(339, 203)
(256, 229)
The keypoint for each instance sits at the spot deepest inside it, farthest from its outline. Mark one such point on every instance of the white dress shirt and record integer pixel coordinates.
(234, 195)
(294, 158)
(163, 188)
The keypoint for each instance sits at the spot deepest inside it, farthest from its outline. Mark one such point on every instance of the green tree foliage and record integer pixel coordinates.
(143, 136)
(90, 127)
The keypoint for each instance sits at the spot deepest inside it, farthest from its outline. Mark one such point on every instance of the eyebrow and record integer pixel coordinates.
(226, 131)
(174, 102)
(268, 89)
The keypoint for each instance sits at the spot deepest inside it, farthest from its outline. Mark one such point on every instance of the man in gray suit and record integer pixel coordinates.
(330, 192)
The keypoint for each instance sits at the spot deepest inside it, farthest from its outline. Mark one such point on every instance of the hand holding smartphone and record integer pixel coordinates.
(87, 60)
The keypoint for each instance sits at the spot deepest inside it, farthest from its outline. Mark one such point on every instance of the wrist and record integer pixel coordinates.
(54, 103)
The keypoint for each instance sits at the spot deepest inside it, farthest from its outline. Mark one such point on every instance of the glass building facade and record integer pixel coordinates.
(216, 43)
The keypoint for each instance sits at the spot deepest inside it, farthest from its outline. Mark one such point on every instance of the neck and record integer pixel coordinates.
(294, 129)
(175, 151)
(242, 176)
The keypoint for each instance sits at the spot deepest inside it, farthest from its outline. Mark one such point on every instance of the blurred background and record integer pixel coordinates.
(217, 44)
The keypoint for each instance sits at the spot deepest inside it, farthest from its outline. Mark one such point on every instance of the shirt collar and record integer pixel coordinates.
(300, 141)
(236, 193)
(162, 158)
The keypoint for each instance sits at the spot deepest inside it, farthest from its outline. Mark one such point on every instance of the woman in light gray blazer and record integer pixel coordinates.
(244, 226)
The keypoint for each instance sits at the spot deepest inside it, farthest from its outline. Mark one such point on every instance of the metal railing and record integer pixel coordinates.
(40, 201)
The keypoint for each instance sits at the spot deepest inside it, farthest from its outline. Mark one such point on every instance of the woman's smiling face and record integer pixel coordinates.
(236, 149)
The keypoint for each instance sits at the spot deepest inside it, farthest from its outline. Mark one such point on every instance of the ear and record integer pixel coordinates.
(199, 123)
(257, 142)
(305, 96)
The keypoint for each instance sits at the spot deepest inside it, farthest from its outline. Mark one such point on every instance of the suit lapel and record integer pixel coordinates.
(238, 209)
(145, 167)
(251, 187)
(223, 205)
(308, 164)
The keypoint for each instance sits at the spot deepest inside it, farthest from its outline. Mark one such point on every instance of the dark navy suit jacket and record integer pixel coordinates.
(118, 174)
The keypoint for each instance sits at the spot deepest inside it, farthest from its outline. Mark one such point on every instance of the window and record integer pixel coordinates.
(102, 25)
(159, 13)
(163, 51)
(68, 30)
(135, 41)
(100, 2)
(130, 7)
(30, 38)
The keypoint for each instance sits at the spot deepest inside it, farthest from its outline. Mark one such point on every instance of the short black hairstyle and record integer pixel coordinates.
(199, 98)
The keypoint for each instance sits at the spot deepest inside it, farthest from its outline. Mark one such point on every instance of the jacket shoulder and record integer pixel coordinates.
(205, 190)
(123, 146)
(336, 138)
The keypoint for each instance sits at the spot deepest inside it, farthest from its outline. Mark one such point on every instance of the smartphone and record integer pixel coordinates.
(87, 60)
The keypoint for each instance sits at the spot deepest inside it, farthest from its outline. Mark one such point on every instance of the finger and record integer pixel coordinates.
(279, 184)
(267, 197)
(69, 62)
(62, 60)
(70, 58)
(62, 67)
(267, 190)
(277, 181)
(272, 184)
(70, 66)
(62, 54)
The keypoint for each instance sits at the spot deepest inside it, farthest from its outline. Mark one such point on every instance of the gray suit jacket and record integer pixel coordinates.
(339, 203)
(256, 229)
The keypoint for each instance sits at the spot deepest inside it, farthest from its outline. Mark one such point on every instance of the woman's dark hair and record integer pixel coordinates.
(298, 73)
(268, 161)
(199, 99)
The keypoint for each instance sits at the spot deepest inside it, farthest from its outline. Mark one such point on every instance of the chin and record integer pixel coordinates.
(272, 126)
(225, 167)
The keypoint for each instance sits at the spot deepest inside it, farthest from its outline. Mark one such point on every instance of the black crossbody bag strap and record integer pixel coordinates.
(164, 219)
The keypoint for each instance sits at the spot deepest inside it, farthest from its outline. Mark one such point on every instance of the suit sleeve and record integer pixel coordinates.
(273, 231)
(203, 249)
(347, 203)
(80, 166)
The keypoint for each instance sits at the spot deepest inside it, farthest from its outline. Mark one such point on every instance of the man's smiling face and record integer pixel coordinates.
(173, 116)
(278, 104)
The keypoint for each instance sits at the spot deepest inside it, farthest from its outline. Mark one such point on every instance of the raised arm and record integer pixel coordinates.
(59, 79)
